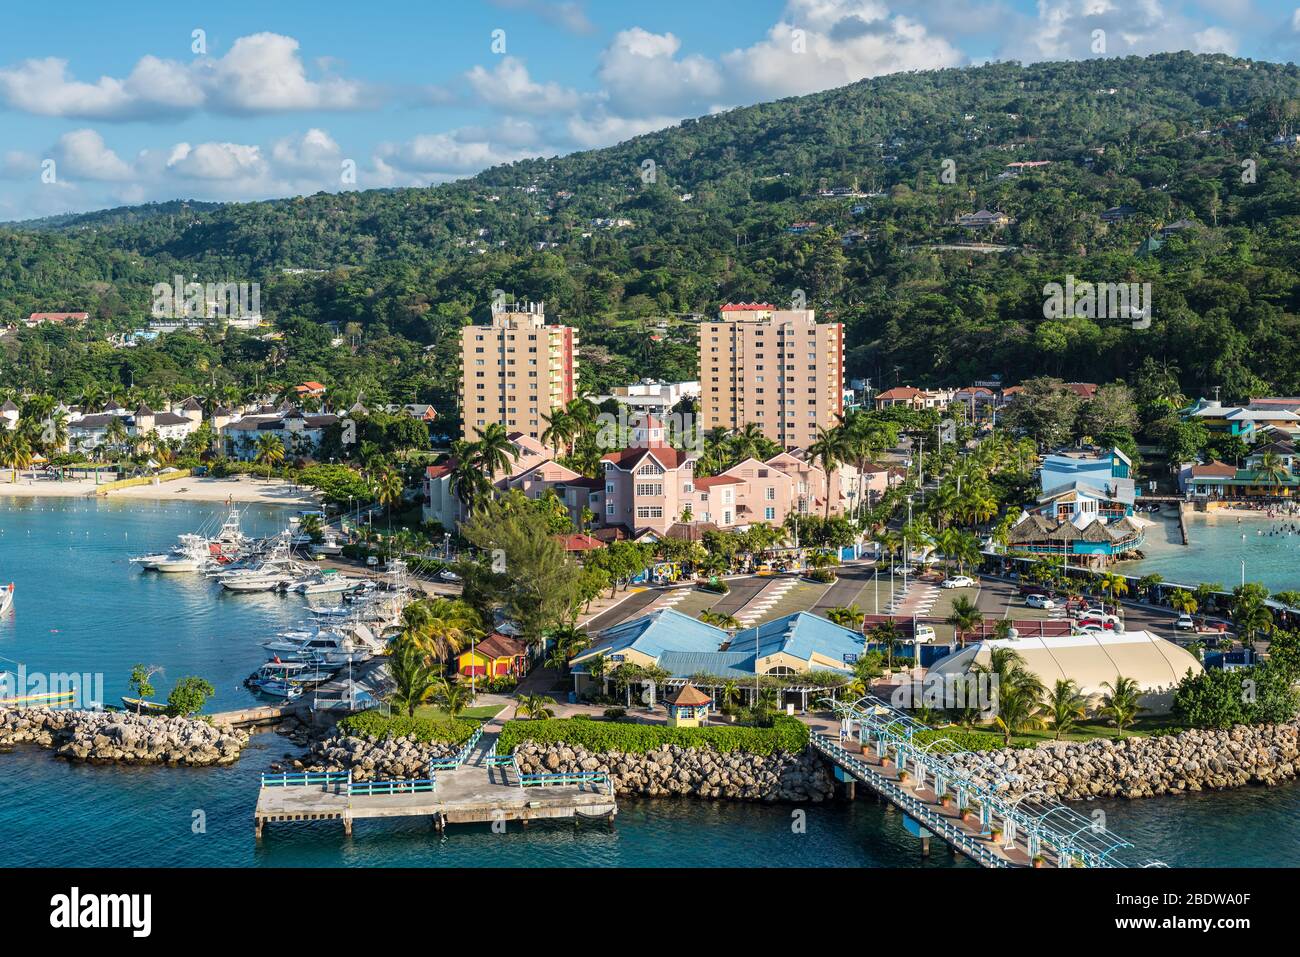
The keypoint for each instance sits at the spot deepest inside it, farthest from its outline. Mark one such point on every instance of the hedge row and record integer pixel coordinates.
(786, 734)
(376, 724)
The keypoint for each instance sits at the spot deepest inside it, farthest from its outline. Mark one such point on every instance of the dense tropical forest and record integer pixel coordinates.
(368, 289)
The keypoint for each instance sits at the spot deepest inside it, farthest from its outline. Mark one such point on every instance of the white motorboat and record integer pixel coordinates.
(251, 583)
(327, 582)
(176, 563)
(288, 679)
(6, 598)
(326, 648)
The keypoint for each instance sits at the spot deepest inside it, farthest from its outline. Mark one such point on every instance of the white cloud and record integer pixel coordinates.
(1067, 30)
(263, 73)
(820, 44)
(567, 14)
(216, 161)
(84, 154)
(436, 157)
(260, 73)
(642, 76)
(509, 87)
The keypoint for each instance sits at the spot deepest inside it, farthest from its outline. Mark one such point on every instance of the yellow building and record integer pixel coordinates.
(496, 656)
(689, 708)
(516, 371)
(777, 368)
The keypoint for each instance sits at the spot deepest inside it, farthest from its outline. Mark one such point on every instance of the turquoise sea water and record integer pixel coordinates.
(81, 607)
(1218, 544)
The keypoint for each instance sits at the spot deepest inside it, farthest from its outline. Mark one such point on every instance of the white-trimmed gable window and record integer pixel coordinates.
(650, 468)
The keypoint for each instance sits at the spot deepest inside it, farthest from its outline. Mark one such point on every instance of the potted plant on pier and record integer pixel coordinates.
(996, 836)
(904, 777)
(945, 801)
(1038, 860)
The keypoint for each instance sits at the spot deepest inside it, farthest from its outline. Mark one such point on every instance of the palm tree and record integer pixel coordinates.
(1114, 585)
(965, 616)
(493, 451)
(559, 431)
(1272, 469)
(115, 435)
(1181, 601)
(270, 452)
(416, 682)
(388, 491)
(719, 620)
(15, 451)
(1120, 703)
(467, 481)
(850, 617)
(442, 628)
(453, 696)
(887, 634)
(535, 706)
(1065, 707)
(830, 449)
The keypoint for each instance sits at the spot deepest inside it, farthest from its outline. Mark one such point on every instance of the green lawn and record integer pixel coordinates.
(1086, 731)
(481, 713)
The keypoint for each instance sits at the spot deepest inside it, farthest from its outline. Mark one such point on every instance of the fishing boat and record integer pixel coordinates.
(288, 679)
(326, 648)
(328, 581)
(140, 706)
(6, 598)
(251, 583)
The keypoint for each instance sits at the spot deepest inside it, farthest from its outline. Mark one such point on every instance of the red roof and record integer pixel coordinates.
(710, 481)
(689, 696)
(1084, 390)
(497, 645)
(1215, 469)
(310, 387)
(746, 306)
(437, 471)
(666, 455)
(578, 542)
(900, 392)
(57, 316)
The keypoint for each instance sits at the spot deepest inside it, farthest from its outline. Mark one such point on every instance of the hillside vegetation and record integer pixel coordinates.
(401, 270)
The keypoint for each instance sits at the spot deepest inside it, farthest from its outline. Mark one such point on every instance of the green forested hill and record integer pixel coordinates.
(1166, 135)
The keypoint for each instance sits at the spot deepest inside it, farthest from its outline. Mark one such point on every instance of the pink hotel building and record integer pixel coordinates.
(650, 486)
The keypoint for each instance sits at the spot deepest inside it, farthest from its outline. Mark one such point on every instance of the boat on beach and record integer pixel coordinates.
(140, 706)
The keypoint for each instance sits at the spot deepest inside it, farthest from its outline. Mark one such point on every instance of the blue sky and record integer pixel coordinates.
(108, 104)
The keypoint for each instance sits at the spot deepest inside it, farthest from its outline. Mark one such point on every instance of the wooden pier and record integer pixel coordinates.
(263, 714)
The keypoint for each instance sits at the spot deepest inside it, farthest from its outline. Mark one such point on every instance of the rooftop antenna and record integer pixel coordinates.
(1216, 394)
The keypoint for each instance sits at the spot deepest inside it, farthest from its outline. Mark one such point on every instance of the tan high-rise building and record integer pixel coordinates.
(516, 370)
(777, 368)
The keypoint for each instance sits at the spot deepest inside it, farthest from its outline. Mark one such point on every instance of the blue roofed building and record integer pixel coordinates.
(690, 650)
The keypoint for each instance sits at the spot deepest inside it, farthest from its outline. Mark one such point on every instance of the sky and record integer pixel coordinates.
(105, 104)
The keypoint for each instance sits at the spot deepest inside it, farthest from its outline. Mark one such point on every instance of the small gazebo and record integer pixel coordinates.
(689, 707)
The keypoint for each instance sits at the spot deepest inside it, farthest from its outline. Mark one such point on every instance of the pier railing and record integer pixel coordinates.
(306, 779)
(404, 786)
(461, 756)
(594, 778)
(917, 809)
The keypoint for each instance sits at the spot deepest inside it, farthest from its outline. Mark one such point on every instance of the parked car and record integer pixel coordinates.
(924, 634)
(1096, 616)
(1039, 601)
(957, 581)
(449, 575)
(1185, 623)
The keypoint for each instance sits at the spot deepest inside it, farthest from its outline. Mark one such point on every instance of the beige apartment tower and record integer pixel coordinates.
(777, 368)
(516, 370)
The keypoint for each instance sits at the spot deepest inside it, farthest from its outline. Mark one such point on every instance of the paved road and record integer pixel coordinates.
(627, 608)
(851, 580)
(742, 591)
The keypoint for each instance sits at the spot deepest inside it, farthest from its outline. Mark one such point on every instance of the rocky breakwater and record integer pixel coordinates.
(1196, 760)
(375, 759)
(122, 738)
(698, 772)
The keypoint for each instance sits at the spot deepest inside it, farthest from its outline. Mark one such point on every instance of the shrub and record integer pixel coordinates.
(786, 734)
(716, 587)
(615, 712)
(376, 724)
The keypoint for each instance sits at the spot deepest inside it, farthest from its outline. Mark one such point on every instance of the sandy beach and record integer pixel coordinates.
(236, 488)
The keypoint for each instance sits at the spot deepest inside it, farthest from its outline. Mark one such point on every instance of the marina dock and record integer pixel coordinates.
(476, 787)
(957, 796)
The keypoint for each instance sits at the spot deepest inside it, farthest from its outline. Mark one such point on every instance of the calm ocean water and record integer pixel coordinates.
(81, 607)
(1218, 546)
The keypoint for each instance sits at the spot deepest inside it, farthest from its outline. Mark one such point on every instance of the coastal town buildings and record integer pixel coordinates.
(649, 486)
(516, 370)
(776, 368)
(300, 433)
(651, 395)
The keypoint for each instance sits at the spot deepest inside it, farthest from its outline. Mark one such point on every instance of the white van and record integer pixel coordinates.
(924, 634)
